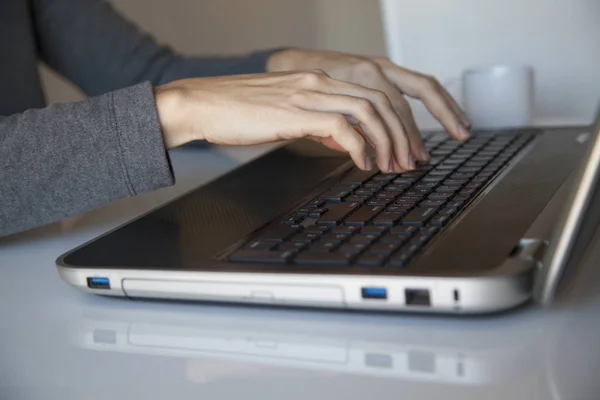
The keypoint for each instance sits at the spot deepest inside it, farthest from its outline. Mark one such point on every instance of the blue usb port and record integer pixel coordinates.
(377, 293)
(98, 283)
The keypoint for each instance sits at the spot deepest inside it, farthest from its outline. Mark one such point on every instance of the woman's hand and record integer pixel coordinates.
(253, 109)
(382, 75)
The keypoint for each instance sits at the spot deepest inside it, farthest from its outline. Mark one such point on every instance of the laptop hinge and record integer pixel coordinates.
(530, 250)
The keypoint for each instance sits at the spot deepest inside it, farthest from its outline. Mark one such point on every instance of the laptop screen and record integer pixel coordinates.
(577, 223)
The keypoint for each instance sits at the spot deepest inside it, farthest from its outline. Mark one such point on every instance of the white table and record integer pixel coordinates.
(58, 343)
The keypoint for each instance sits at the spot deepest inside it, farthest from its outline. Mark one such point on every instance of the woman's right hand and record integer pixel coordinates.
(262, 108)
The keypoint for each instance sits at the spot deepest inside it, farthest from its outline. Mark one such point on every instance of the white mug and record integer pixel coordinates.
(498, 96)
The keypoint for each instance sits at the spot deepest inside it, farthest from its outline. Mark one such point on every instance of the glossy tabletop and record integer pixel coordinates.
(58, 343)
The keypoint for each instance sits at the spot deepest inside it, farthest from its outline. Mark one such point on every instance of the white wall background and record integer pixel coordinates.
(441, 37)
(560, 38)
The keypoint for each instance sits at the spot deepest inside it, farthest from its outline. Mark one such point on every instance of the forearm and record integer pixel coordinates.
(98, 49)
(69, 158)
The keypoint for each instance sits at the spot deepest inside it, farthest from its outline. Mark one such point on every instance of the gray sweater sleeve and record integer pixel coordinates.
(69, 158)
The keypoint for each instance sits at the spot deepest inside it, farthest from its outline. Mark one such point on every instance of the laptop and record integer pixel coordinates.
(487, 225)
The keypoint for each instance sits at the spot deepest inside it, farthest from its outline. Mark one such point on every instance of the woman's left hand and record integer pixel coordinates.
(394, 81)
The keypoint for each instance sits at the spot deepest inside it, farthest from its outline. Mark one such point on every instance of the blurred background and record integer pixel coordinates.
(440, 37)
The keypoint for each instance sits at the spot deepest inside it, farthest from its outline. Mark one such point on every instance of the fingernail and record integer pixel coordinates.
(411, 162)
(368, 163)
(462, 132)
(466, 122)
(391, 167)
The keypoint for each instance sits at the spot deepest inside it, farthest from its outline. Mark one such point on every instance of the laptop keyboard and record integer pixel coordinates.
(372, 218)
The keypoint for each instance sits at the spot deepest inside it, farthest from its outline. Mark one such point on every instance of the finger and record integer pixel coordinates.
(396, 130)
(359, 109)
(429, 91)
(457, 108)
(404, 112)
(335, 126)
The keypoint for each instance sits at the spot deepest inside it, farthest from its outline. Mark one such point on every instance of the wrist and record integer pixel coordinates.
(169, 102)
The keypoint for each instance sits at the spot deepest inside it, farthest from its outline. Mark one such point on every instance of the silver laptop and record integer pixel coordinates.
(486, 226)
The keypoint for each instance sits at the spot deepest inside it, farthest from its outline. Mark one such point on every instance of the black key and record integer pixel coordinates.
(356, 199)
(453, 162)
(386, 195)
(403, 230)
(456, 203)
(474, 185)
(384, 248)
(363, 215)
(407, 200)
(333, 238)
(267, 257)
(455, 182)
(419, 216)
(435, 160)
(400, 259)
(425, 186)
(384, 177)
(257, 245)
(440, 172)
(432, 203)
(418, 192)
(429, 231)
(482, 159)
(315, 229)
(309, 258)
(388, 218)
(467, 191)
(469, 170)
(379, 202)
(317, 212)
(444, 167)
(447, 189)
(278, 233)
(364, 239)
(375, 230)
(462, 175)
(461, 197)
(358, 176)
(337, 212)
(293, 220)
(450, 211)
(346, 229)
(474, 164)
(480, 179)
(373, 185)
(433, 179)
(440, 220)
(439, 196)
(396, 239)
(352, 248)
(334, 196)
(305, 237)
(412, 174)
(314, 203)
(396, 188)
(321, 247)
(365, 192)
(290, 246)
(401, 208)
(303, 212)
(405, 181)
(371, 259)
